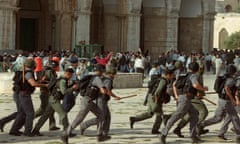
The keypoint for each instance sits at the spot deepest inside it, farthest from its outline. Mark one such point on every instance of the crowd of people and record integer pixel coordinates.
(58, 93)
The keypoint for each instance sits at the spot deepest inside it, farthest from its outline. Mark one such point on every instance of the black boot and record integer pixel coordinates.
(36, 133)
(162, 139)
(2, 126)
(64, 138)
(155, 131)
(196, 139)
(178, 132)
(166, 118)
(102, 138)
(132, 120)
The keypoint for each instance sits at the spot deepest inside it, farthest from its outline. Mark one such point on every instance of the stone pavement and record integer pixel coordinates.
(120, 131)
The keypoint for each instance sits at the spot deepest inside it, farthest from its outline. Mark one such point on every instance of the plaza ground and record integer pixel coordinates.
(120, 128)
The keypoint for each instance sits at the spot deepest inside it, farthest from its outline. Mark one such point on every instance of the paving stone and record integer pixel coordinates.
(120, 128)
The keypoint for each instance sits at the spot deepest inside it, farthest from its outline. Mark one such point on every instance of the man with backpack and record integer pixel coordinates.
(58, 91)
(70, 99)
(226, 103)
(157, 96)
(197, 103)
(87, 104)
(46, 111)
(102, 103)
(26, 86)
(189, 90)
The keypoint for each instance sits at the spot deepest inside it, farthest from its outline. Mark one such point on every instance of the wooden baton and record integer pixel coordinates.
(128, 96)
(209, 101)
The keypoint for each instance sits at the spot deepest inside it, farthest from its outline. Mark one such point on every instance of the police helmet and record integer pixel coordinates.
(193, 66)
(231, 69)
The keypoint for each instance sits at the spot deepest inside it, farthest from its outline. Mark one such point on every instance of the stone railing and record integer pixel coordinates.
(122, 80)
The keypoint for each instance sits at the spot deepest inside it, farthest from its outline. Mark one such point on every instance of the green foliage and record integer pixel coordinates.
(233, 41)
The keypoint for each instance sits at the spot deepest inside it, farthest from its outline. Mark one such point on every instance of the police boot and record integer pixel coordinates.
(178, 132)
(196, 139)
(64, 137)
(162, 139)
(166, 118)
(36, 133)
(155, 131)
(2, 126)
(132, 121)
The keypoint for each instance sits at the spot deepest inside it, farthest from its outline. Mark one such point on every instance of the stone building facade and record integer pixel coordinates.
(118, 25)
(226, 21)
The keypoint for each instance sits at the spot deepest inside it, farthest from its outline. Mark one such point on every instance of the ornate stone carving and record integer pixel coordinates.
(84, 5)
(135, 6)
(14, 3)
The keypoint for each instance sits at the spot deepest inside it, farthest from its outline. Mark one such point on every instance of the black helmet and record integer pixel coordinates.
(193, 66)
(231, 69)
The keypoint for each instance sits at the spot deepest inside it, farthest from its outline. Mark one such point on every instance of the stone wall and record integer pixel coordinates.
(155, 30)
(122, 80)
(190, 34)
(228, 21)
(128, 80)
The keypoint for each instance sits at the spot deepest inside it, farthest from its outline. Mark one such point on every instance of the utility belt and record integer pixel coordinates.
(24, 93)
(189, 95)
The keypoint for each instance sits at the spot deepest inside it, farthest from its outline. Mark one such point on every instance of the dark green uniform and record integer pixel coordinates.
(153, 108)
(56, 104)
(44, 96)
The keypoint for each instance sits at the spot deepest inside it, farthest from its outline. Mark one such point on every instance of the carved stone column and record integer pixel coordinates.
(208, 24)
(173, 7)
(58, 31)
(133, 25)
(7, 26)
(208, 27)
(83, 21)
(172, 31)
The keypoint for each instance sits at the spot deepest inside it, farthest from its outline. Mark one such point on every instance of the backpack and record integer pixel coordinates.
(153, 83)
(164, 97)
(184, 83)
(219, 84)
(52, 87)
(21, 84)
(86, 88)
(181, 81)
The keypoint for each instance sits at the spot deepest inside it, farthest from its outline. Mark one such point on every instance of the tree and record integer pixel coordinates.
(233, 41)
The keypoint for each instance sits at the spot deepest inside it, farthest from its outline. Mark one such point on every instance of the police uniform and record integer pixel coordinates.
(198, 104)
(70, 98)
(26, 110)
(153, 108)
(55, 103)
(86, 105)
(46, 111)
(225, 106)
(44, 96)
(102, 103)
(184, 106)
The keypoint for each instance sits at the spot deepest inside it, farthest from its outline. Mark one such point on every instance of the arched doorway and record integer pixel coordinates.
(33, 25)
(228, 8)
(223, 35)
(190, 26)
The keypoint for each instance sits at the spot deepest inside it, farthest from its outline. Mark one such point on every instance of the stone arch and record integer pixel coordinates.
(190, 26)
(228, 8)
(222, 36)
